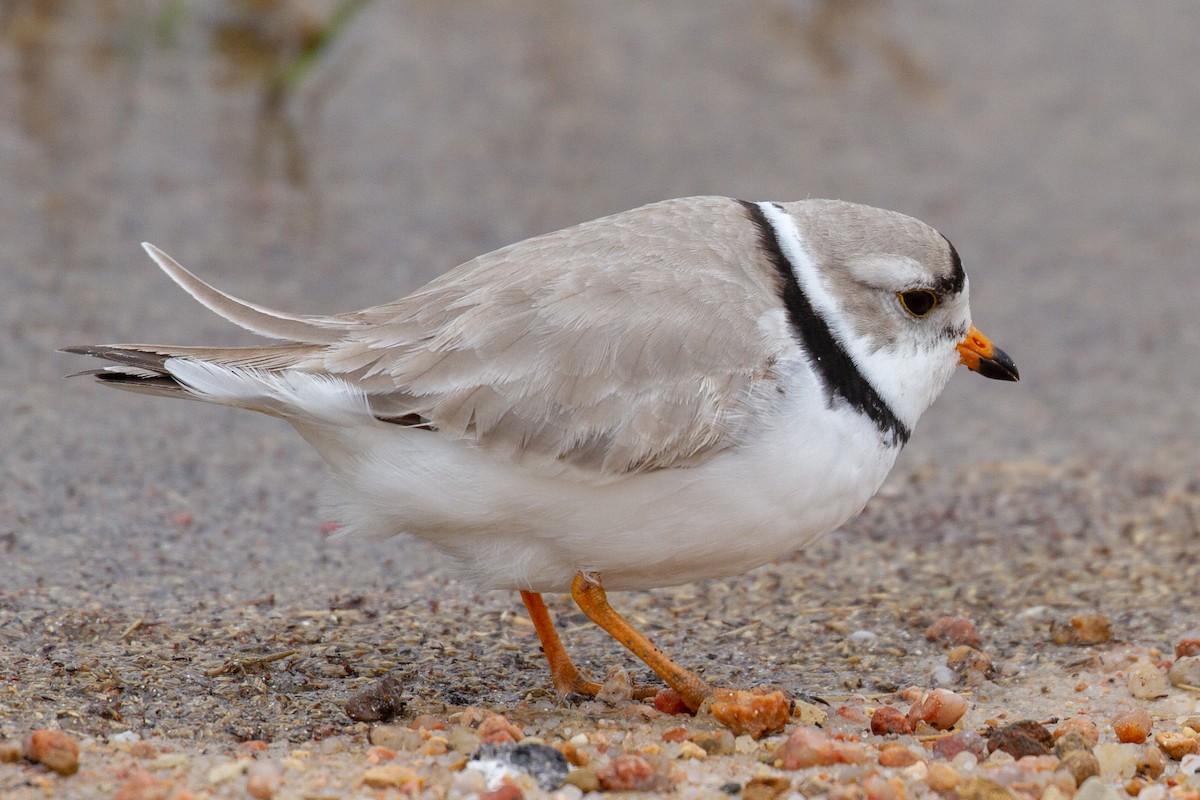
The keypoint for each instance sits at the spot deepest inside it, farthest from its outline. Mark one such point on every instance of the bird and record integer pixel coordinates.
(682, 391)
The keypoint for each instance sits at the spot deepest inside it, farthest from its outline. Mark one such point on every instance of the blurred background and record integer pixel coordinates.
(323, 156)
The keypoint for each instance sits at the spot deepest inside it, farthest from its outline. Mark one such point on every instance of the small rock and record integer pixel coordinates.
(53, 749)
(1082, 629)
(10, 752)
(227, 771)
(1146, 681)
(715, 743)
(766, 787)
(506, 790)
(379, 702)
(691, 750)
(394, 737)
(585, 779)
(940, 709)
(1097, 789)
(1079, 725)
(1071, 742)
(669, 701)
(1177, 745)
(1116, 760)
(616, 688)
(1082, 764)
(983, 789)
(168, 761)
(392, 776)
(810, 747)
(496, 729)
(543, 763)
(631, 773)
(968, 741)
(1133, 726)
(954, 631)
(141, 785)
(755, 713)
(1151, 762)
(894, 754)
(464, 740)
(1185, 672)
(1023, 738)
(942, 777)
(888, 720)
(971, 664)
(1188, 645)
(263, 780)
(806, 713)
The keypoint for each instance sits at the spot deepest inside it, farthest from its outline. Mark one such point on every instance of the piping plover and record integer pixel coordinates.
(681, 391)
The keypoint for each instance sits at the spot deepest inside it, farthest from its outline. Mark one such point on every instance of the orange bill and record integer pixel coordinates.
(977, 353)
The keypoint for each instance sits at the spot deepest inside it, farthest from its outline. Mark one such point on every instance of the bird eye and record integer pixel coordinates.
(918, 302)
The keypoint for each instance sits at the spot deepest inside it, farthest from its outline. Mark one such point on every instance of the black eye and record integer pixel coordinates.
(918, 302)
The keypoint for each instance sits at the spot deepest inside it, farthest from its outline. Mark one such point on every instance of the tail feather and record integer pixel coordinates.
(143, 367)
(251, 316)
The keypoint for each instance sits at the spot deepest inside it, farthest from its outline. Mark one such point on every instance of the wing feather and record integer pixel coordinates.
(630, 343)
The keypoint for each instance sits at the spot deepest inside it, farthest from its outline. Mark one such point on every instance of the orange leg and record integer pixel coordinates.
(590, 596)
(566, 677)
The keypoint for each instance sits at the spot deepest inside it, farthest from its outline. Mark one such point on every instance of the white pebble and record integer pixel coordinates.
(965, 761)
(863, 637)
(1096, 788)
(943, 676)
(1146, 681)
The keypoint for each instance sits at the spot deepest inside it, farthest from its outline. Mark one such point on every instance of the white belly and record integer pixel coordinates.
(509, 528)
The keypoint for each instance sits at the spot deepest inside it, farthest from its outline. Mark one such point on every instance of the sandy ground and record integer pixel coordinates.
(170, 593)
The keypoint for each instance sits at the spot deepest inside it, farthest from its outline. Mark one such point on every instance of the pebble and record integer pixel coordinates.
(766, 787)
(1185, 672)
(543, 763)
(1082, 629)
(894, 754)
(1079, 725)
(942, 777)
(1117, 760)
(584, 779)
(971, 664)
(1081, 764)
(392, 776)
(1188, 644)
(53, 749)
(141, 785)
(379, 702)
(1097, 788)
(1133, 725)
(810, 747)
(1023, 738)
(954, 631)
(1151, 761)
(169, 761)
(496, 729)
(395, 738)
(889, 719)
(631, 773)
(227, 771)
(263, 780)
(10, 752)
(755, 713)
(983, 789)
(967, 741)
(940, 709)
(715, 743)
(1146, 681)
(691, 750)
(1177, 745)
